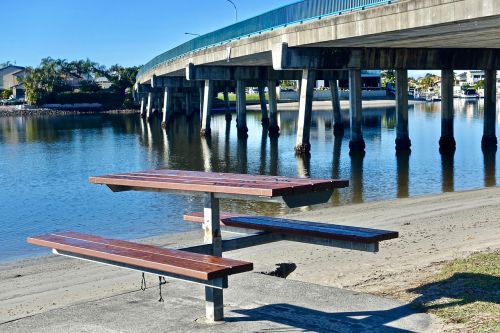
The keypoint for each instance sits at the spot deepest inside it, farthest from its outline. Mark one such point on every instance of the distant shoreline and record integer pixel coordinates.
(12, 111)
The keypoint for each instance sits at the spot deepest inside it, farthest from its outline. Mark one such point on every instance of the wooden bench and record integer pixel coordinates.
(203, 269)
(355, 238)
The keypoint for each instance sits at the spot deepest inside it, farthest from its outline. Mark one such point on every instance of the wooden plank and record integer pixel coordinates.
(169, 261)
(313, 229)
(304, 228)
(267, 186)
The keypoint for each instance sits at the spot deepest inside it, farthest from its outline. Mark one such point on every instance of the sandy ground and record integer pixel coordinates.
(432, 229)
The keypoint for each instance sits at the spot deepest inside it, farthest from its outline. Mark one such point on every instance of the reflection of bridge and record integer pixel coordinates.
(331, 39)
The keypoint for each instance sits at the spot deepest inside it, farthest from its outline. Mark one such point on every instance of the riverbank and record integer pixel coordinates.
(433, 230)
(13, 111)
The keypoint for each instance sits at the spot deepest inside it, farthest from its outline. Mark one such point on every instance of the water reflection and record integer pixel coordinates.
(403, 173)
(52, 157)
(448, 171)
(489, 155)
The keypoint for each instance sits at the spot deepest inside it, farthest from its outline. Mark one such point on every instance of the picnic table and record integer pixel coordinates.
(204, 263)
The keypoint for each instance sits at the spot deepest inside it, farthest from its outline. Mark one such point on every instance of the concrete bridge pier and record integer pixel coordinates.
(403, 141)
(207, 108)
(274, 129)
(149, 110)
(227, 105)
(303, 145)
(357, 142)
(263, 104)
(201, 93)
(189, 105)
(167, 106)
(241, 105)
(447, 142)
(490, 109)
(338, 126)
(143, 107)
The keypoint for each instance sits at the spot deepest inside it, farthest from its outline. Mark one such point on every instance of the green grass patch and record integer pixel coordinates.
(466, 292)
(250, 98)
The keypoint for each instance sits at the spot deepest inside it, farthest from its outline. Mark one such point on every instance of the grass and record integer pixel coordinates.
(466, 293)
(250, 98)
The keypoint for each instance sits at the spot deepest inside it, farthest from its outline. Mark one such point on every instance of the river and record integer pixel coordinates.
(45, 163)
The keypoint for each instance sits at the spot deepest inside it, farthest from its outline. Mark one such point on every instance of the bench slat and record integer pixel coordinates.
(183, 263)
(304, 228)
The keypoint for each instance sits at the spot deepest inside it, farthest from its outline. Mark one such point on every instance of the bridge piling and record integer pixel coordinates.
(403, 141)
(241, 105)
(447, 141)
(338, 126)
(201, 93)
(227, 106)
(150, 105)
(189, 106)
(263, 104)
(490, 100)
(357, 142)
(207, 108)
(143, 107)
(167, 106)
(303, 146)
(274, 129)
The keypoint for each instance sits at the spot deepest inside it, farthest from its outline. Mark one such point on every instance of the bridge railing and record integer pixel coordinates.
(294, 13)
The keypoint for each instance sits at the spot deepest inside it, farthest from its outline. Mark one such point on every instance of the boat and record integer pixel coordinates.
(469, 93)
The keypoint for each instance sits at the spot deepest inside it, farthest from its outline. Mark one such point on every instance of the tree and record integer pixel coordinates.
(388, 76)
(479, 85)
(5, 64)
(5, 93)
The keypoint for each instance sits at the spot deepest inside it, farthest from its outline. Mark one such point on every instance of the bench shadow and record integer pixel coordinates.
(459, 289)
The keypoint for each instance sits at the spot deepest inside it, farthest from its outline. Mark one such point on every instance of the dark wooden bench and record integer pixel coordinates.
(204, 269)
(356, 238)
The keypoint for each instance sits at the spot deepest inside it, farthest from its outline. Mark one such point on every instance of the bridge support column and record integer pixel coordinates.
(447, 141)
(189, 106)
(403, 141)
(207, 108)
(357, 142)
(143, 107)
(241, 104)
(303, 145)
(202, 92)
(227, 105)
(490, 109)
(149, 111)
(274, 128)
(338, 126)
(263, 104)
(167, 107)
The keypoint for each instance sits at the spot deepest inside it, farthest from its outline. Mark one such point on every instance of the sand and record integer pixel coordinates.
(432, 229)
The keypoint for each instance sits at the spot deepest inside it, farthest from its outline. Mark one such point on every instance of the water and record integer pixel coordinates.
(46, 161)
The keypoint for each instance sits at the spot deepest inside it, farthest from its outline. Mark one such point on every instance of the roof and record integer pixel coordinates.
(19, 67)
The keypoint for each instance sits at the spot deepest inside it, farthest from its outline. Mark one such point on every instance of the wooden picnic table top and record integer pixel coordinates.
(213, 182)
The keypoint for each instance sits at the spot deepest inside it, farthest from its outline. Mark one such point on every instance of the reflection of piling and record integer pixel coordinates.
(337, 153)
(263, 149)
(403, 173)
(303, 165)
(489, 157)
(273, 155)
(242, 155)
(357, 158)
(448, 171)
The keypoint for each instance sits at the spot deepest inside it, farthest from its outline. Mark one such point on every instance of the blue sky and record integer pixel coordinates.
(127, 32)
(111, 31)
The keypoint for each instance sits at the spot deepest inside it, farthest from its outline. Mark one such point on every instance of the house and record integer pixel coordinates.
(10, 80)
(103, 82)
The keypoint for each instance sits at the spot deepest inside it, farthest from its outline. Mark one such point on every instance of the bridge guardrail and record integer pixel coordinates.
(294, 13)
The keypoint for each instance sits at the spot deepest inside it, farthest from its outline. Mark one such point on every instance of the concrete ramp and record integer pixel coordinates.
(253, 303)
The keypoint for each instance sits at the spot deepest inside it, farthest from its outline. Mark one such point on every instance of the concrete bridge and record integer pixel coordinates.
(330, 40)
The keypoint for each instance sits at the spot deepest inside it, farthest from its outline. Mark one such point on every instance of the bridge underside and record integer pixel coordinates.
(442, 35)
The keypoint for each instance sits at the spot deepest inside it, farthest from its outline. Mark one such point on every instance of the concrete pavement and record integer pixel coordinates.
(253, 303)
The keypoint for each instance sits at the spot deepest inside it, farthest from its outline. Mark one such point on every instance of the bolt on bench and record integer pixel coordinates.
(204, 263)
